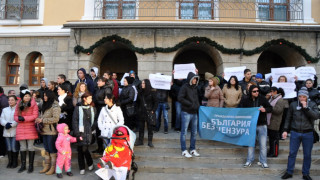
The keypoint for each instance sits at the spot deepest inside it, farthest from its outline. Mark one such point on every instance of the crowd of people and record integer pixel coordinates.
(94, 105)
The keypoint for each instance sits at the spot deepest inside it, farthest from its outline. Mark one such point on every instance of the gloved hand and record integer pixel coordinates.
(8, 126)
(20, 118)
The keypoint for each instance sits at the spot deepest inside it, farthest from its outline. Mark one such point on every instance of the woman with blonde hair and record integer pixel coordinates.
(214, 93)
(79, 91)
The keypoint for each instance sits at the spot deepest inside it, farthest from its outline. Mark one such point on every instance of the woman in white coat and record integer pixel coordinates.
(110, 116)
(9, 124)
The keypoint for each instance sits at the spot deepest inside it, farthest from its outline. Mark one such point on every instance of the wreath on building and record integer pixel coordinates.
(115, 38)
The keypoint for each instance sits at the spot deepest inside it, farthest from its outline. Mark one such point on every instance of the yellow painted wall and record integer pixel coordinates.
(58, 12)
(316, 10)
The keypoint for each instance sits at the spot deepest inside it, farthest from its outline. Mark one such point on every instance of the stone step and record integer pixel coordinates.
(212, 158)
(199, 168)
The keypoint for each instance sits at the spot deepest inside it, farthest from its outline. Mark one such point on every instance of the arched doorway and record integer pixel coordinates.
(279, 56)
(115, 57)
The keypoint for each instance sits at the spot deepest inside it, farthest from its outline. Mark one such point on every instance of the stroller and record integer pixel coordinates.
(118, 157)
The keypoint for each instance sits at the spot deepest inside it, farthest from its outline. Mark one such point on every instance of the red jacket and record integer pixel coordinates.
(115, 90)
(26, 129)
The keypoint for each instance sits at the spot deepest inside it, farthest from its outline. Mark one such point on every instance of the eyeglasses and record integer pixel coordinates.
(255, 91)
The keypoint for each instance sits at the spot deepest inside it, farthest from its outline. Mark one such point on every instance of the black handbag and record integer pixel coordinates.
(130, 110)
(39, 127)
(151, 118)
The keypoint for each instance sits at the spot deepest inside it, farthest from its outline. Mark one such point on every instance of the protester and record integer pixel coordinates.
(7, 121)
(263, 85)
(3, 104)
(254, 99)
(136, 82)
(246, 80)
(274, 120)
(65, 103)
(147, 106)
(126, 100)
(78, 92)
(25, 115)
(94, 76)
(84, 78)
(115, 77)
(43, 86)
(114, 82)
(52, 86)
(188, 97)
(314, 94)
(232, 92)
(50, 114)
(162, 108)
(202, 88)
(300, 118)
(174, 92)
(214, 94)
(11, 92)
(62, 80)
(84, 124)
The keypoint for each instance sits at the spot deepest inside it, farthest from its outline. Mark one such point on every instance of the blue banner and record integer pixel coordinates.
(230, 125)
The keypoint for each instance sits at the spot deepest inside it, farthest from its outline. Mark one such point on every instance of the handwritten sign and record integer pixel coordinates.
(289, 89)
(181, 71)
(234, 71)
(159, 81)
(289, 72)
(304, 73)
(125, 75)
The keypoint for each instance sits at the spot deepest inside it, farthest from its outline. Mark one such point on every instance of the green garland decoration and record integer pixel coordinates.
(195, 39)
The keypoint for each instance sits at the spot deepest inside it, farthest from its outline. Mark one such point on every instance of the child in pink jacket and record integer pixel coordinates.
(64, 150)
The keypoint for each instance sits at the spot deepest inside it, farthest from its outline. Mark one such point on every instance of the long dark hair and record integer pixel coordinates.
(147, 88)
(113, 98)
(48, 104)
(85, 95)
(236, 85)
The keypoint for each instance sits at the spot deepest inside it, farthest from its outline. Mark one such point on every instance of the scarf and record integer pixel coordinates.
(81, 127)
(273, 102)
(61, 99)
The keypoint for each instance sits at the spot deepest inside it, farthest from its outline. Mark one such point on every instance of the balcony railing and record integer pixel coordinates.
(19, 9)
(223, 10)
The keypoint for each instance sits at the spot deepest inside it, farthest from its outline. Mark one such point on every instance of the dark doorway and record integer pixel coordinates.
(268, 60)
(119, 61)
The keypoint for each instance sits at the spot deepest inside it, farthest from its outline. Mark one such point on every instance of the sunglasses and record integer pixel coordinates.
(255, 91)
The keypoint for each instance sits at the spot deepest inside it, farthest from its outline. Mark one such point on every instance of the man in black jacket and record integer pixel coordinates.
(254, 99)
(188, 98)
(62, 80)
(300, 119)
(246, 80)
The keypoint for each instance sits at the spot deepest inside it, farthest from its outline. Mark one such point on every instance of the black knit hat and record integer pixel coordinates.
(24, 92)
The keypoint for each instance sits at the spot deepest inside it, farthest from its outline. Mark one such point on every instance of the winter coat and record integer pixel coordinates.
(50, 119)
(215, 96)
(232, 97)
(277, 113)
(88, 126)
(162, 95)
(26, 129)
(147, 102)
(115, 90)
(87, 80)
(127, 96)
(243, 83)
(67, 109)
(175, 89)
(3, 102)
(264, 88)
(7, 116)
(100, 95)
(63, 142)
(106, 123)
(301, 119)
(69, 86)
(188, 96)
(314, 95)
(247, 101)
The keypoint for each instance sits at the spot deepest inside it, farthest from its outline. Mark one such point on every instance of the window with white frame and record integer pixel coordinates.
(19, 9)
(273, 10)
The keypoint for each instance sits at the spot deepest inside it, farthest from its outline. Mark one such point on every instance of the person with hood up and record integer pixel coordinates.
(63, 145)
(84, 78)
(254, 99)
(25, 115)
(214, 94)
(43, 86)
(94, 76)
(300, 119)
(188, 97)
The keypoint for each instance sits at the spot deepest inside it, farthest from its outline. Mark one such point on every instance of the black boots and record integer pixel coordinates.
(31, 159)
(9, 159)
(14, 159)
(150, 140)
(140, 140)
(23, 155)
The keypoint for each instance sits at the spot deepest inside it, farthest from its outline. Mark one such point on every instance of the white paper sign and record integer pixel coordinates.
(125, 75)
(289, 89)
(304, 73)
(234, 71)
(181, 71)
(159, 81)
(289, 72)
(267, 77)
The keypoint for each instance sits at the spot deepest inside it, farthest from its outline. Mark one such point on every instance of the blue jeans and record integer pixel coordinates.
(11, 144)
(162, 108)
(178, 115)
(307, 144)
(262, 138)
(49, 143)
(187, 118)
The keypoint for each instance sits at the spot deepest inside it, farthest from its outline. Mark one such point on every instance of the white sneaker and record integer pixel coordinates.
(90, 167)
(247, 164)
(82, 172)
(186, 154)
(194, 153)
(263, 165)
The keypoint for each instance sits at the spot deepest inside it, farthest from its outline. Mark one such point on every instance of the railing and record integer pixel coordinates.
(223, 10)
(19, 9)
